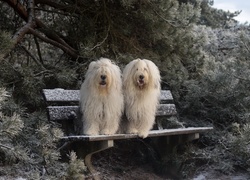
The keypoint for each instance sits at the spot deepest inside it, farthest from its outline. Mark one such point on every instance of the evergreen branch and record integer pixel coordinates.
(240, 78)
(6, 147)
(108, 30)
(6, 133)
(43, 72)
(62, 7)
(3, 94)
(246, 46)
(104, 39)
(166, 20)
(55, 12)
(32, 57)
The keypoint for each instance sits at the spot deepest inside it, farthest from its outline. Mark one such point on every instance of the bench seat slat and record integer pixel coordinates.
(62, 95)
(152, 133)
(68, 112)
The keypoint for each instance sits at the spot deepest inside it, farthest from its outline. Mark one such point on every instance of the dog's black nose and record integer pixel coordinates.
(141, 76)
(103, 77)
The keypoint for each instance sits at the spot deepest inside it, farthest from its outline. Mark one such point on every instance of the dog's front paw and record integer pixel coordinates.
(90, 133)
(107, 132)
(132, 131)
(143, 134)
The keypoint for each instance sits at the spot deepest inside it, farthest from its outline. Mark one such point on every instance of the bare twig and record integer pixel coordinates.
(66, 49)
(108, 30)
(104, 39)
(32, 57)
(38, 50)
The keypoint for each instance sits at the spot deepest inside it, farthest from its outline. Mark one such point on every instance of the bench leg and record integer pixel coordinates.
(97, 147)
(166, 144)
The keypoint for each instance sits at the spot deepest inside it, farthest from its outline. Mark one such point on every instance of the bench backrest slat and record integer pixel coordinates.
(62, 95)
(70, 112)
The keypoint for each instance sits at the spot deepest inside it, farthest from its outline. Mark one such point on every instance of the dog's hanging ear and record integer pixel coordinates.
(127, 73)
(154, 73)
(91, 66)
(116, 72)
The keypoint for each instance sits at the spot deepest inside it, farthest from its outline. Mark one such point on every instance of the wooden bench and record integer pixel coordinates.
(62, 106)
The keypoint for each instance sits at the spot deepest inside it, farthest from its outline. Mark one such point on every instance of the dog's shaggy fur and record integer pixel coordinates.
(101, 98)
(141, 85)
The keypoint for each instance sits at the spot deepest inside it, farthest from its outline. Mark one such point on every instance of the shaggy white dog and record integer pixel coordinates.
(141, 84)
(101, 98)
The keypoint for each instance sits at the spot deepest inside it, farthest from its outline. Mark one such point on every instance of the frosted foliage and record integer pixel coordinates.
(189, 13)
(76, 168)
(11, 125)
(207, 35)
(223, 76)
(223, 50)
(3, 95)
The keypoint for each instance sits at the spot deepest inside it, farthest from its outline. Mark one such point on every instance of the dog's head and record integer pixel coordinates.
(103, 75)
(101, 71)
(140, 73)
